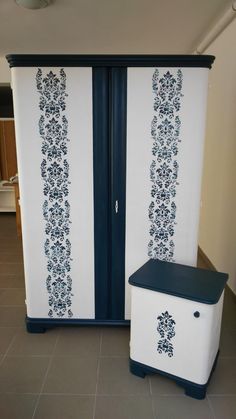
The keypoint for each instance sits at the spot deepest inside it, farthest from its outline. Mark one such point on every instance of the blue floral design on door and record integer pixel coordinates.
(53, 129)
(166, 330)
(165, 131)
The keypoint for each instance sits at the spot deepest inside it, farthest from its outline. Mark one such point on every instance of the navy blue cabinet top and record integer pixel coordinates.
(133, 60)
(180, 280)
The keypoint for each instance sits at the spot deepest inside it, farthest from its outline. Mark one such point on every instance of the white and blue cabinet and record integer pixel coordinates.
(110, 154)
(175, 323)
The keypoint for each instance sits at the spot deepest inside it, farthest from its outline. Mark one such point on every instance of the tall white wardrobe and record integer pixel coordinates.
(110, 152)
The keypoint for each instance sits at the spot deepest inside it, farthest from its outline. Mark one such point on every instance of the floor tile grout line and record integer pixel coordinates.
(61, 356)
(219, 395)
(184, 395)
(45, 377)
(98, 371)
(210, 406)
(113, 356)
(29, 356)
(222, 395)
(118, 395)
(151, 394)
(150, 385)
(10, 344)
(49, 394)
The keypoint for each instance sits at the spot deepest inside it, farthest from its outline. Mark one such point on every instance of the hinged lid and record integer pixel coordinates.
(181, 281)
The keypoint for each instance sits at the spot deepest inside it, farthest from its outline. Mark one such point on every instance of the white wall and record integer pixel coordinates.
(5, 75)
(217, 236)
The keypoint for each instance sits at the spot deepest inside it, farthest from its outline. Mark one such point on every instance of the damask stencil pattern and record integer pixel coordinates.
(165, 131)
(53, 129)
(166, 329)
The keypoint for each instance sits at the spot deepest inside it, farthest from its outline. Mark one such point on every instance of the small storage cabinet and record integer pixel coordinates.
(176, 315)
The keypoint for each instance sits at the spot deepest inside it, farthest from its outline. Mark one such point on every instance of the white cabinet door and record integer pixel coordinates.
(166, 110)
(53, 114)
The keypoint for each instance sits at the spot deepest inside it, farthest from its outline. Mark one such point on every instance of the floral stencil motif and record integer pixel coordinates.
(164, 345)
(53, 127)
(166, 329)
(165, 129)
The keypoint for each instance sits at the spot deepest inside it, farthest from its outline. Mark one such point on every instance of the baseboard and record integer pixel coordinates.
(38, 325)
(210, 265)
(206, 260)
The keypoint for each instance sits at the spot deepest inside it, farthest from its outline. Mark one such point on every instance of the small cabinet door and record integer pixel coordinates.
(175, 335)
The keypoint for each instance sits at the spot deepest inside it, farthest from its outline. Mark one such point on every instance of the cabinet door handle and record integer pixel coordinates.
(117, 206)
(196, 314)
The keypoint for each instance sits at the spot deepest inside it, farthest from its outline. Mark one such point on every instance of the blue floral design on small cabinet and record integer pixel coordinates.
(53, 130)
(166, 330)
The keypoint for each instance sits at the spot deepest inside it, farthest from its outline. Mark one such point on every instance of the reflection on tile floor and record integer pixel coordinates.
(82, 373)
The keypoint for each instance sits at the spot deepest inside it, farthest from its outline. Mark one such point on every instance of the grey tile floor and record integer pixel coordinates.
(82, 373)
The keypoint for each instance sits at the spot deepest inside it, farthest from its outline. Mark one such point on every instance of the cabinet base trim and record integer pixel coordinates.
(194, 390)
(36, 325)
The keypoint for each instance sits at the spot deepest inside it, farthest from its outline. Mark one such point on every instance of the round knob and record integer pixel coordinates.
(196, 314)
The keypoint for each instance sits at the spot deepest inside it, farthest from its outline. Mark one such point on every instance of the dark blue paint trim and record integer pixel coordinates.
(101, 190)
(109, 137)
(50, 60)
(182, 281)
(197, 391)
(118, 105)
(35, 325)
